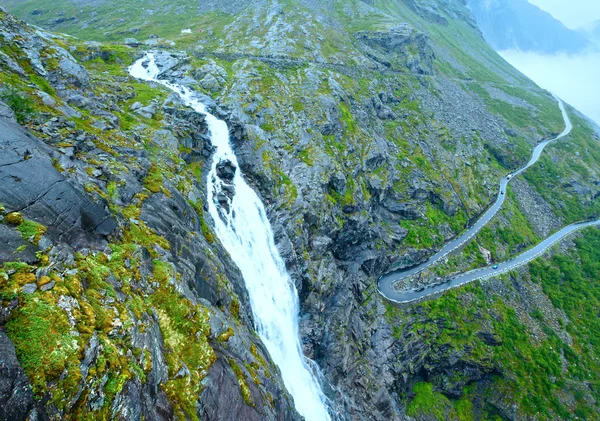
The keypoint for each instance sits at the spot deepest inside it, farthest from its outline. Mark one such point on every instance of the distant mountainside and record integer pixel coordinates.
(518, 24)
(592, 31)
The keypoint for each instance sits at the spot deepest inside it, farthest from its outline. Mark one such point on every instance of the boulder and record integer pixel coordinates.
(226, 171)
(398, 45)
(132, 42)
(6, 113)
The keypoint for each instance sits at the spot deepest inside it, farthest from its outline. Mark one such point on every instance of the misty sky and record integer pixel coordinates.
(572, 77)
(573, 13)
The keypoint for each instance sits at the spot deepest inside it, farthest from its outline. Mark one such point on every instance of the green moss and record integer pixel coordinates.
(185, 331)
(31, 231)
(306, 156)
(41, 335)
(234, 308)
(112, 191)
(464, 410)
(206, 230)
(348, 119)
(428, 402)
(297, 105)
(224, 337)
(244, 389)
(19, 102)
(154, 180)
(268, 127)
(14, 218)
(43, 84)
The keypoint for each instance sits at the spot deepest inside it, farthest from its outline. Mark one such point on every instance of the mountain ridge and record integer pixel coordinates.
(525, 27)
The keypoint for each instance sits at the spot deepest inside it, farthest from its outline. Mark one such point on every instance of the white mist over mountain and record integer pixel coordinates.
(572, 13)
(574, 78)
(547, 48)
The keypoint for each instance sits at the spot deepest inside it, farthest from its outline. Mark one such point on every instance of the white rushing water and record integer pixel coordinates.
(246, 233)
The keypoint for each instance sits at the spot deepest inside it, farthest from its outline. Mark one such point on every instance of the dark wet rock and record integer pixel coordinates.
(167, 61)
(6, 309)
(191, 131)
(14, 247)
(226, 171)
(132, 42)
(190, 116)
(174, 218)
(30, 184)
(29, 288)
(405, 210)
(48, 286)
(490, 338)
(410, 258)
(237, 132)
(338, 183)
(16, 398)
(220, 400)
(135, 402)
(73, 72)
(147, 399)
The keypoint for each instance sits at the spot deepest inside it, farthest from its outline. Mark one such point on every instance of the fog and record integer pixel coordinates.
(574, 78)
(573, 13)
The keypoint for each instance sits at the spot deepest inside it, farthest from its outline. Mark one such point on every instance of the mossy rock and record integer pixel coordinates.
(14, 218)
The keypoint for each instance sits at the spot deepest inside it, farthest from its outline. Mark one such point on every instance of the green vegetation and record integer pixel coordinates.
(572, 158)
(41, 335)
(537, 369)
(427, 402)
(31, 231)
(19, 102)
(242, 382)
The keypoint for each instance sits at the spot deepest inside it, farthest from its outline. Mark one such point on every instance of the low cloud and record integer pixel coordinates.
(574, 78)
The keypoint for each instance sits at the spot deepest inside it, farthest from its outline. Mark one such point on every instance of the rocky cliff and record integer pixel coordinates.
(374, 132)
(116, 300)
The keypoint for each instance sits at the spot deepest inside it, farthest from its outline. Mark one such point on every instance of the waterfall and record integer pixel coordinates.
(244, 230)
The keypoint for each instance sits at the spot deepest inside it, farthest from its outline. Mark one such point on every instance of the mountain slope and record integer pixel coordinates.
(116, 299)
(375, 131)
(518, 24)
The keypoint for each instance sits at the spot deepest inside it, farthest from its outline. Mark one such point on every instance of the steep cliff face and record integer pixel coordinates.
(374, 131)
(116, 297)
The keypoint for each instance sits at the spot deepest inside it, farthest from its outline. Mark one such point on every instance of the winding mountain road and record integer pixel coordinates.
(387, 282)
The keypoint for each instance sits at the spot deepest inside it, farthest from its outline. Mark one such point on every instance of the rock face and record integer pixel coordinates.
(106, 262)
(31, 185)
(400, 46)
(16, 399)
